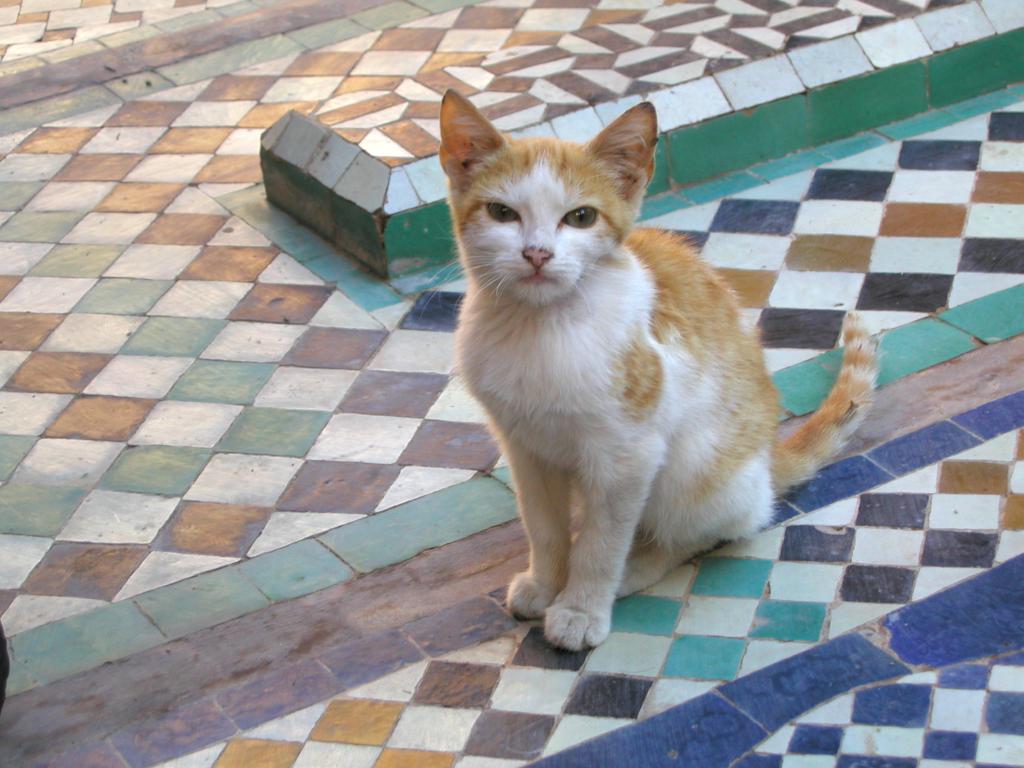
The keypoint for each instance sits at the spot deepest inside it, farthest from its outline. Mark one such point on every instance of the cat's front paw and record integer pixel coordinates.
(574, 629)
(529, 598)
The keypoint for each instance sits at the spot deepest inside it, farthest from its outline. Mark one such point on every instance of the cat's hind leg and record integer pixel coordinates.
(647, 564)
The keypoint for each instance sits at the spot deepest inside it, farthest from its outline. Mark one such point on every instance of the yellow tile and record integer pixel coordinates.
(410, 758)
(256, 753)
(357, 721)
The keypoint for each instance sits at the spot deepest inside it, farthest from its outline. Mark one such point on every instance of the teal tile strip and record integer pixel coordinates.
(56, 108)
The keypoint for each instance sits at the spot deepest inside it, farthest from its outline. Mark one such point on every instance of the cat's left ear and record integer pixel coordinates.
(627, 147)
(467, 138)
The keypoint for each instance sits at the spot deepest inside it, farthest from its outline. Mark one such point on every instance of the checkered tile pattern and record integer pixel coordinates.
(512, 699)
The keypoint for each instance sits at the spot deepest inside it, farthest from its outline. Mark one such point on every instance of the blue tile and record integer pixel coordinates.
(924, 447)
(863, 761)
(360, 661)
(776, 694)
(903, 705)
(467, 623)
(818, 544)
(766, 217)
(434, 311)
(978, 618)
(966, 676)
(535, 651)
(754, 760)
(950, 745)
(705, 731)
(1013, 660)
(783, 512)
(994, 418)
(280, 692)
(816, 740)
(1005, 713)
(838, 481)
(171, 735)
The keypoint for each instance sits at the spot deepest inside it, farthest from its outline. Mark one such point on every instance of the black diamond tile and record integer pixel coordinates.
(696, 239)
(904, 292)
(992, 254)
(535, 651)
(434, 311)
(1006, 126)
(509, 735)
(766, 217)
(893, 510)
(800, 328)
(959, 549)
(940, 155)
(608, 696)
(817, 544)
(835, 184)
(877, 584)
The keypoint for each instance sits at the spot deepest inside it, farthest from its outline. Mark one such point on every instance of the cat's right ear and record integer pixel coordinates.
(467, 138)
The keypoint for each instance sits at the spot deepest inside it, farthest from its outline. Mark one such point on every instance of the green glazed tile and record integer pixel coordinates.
(645, 614)
(930, 121)
(295, 570)
(37, 510)
(327, 33)
(190, 21)
(723, 187)
(71, 52)
(917, 346)
(738, 140)
(12, 450)
(140, 84)
(780, 620)
(218, 381)
(77, 261)
(864, 102)
(55, 108)
(39, 226)
(230, 59)
(128, 36)
(662, 173)
(274, 431)
(731, 577)
(406, 530)
(982, 105)
(803, 386)
(837, 150)
(419, 238)
(976, 68)
(162, 469)
(85, 641)
(173, 336)
(14, 194)
(704, 658)
(21, 679)
(991, 318)
(662, 204)
(415, 282)
(503, 475)
(786, 166)
(200, 602)
(389, 15)
(123, 296)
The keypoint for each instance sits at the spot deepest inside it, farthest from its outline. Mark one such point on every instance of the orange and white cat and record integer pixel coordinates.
(615, 367)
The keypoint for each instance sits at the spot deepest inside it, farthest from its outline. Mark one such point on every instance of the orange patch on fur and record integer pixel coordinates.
(642, 378)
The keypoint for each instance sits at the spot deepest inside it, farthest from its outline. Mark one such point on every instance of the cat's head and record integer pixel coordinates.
(534, 216)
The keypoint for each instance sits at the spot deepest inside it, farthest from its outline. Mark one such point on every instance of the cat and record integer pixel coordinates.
(614, 366)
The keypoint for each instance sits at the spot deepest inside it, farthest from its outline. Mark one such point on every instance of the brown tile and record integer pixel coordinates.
(388, 393)
(488, 18)
(427, 110)
(338, 486)
(1013, 513)
(529, 37)
(451, 444)
(335, 348)
(364, 83)
(6, 598)
(7, 284)
(351, 134)
(451, 684)
(273, 303)
(140, 197)
(182, 229)
(991, 187)
(26, 330)
(414, 758)
(511, 735)
(101, 418)
(257, 753)
(325, 64)
(830, 253)
(973, 477)
(412, 137)
(923, 220)
(439, 61)
(265, 115)
(752, 286)
(32, 18)
(63, 372)
(98, 167)
(148, 113)
(357, 721)
(422, 39)
(223, 262)
(231, 169)
(1020, 444)
(227, 530)
(190, 141)
(57, 140)
(237, 88)
(352, 111)
(96, 571)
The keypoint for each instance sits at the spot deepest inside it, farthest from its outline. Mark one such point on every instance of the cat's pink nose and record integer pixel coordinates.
(537, 256)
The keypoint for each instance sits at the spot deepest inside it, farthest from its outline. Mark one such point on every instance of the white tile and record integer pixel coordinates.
(924, 480)
(113, 228)
(884, 546)
(948, 27)
(1017, 477)
(778, 359)
(934, 579)
(883, 740)
(10, 361)
(423, 351)
(689, 103)
(1011, 544)
(387, 63)
(675, 584)
(759, 82)
(123, 140)
(66, 462)
(237, 232)
(173, 169)
(552, 19)
(829, 62)
(724, 616)
(814, 582)
(438, 729)
(630, 654)
(1002, 156)
(18, 556)
(1002, 448)
(46, 294)
(973, 129)
(339, 311)
(846, 616)
(213, 113)
(761, 653)
(29, 413)
(964, 511)
(668, 693)
(162, 568)
(416, 482)
(572, 729)
(581, 125)
(198, 425)
(765, 545)
(70, 196)
(1000, 749)
(298, 89)
(956, 710)
(30, 611)
(1006, 678)
(312, 389)
(31, 167)
(935, 255)
(882, 158)
(238, 479)
(295, 727)
(138, 376)
(284, 270)
(204, 758)
(201, 298)
(839, 711)
(19, 258)
(102, 334)
(838, 513)
(455, 403)
(284, 528)
(816, 290)
(195, 200)
(893, 43)
(153, 262)
(838, 217)
(697, 218)
(358, 437)
(253, 342)
(318, 754)
(968, 286)
(398, 686)
(742, 251)
(792, 187)
(527, 689)
(241, 141)
(114, 517)
(1004, 14)
(473, 40)
(931, 186)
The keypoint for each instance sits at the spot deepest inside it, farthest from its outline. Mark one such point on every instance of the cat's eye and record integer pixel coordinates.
(581, 218)
(501, 213)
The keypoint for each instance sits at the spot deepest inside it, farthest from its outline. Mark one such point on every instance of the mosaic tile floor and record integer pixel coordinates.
(155, 349)
(871, 545)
